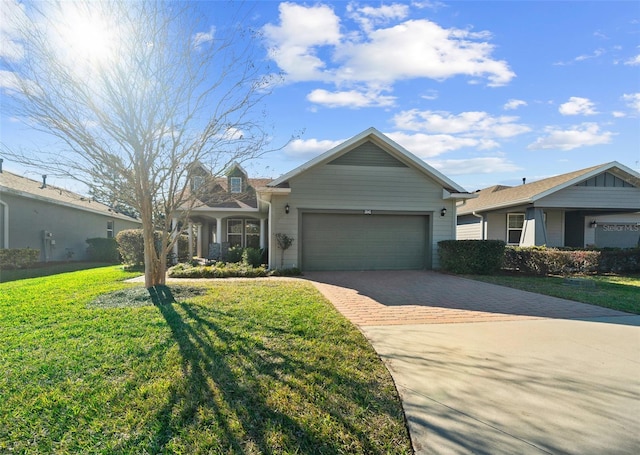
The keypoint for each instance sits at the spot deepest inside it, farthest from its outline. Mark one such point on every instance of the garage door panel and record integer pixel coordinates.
(363, 242)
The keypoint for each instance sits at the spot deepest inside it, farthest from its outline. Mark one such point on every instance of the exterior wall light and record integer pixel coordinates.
(286, 209)
(594, 224)
(443, 212)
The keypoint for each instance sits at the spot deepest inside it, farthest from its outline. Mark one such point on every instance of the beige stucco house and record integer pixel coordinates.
(366, 204)
(597, 206)
(34, 214)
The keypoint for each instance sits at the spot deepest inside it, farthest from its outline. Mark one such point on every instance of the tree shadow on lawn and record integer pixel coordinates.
(252, 395)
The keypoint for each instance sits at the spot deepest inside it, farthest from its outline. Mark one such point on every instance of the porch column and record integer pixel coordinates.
(200, 239)
(262, 233)
(219, 231)
(534, 231)
(174, 233)
(190, 234)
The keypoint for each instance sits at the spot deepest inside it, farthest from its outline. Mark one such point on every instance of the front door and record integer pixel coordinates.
(574, 229)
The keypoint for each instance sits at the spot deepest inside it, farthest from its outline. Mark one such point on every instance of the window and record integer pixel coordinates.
(109, 229)
(515, 224)
(243, 233)
(234, 232)
(197, 182)
(252, 234)
(236, 184)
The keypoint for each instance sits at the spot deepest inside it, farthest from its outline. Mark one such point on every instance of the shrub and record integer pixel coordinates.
(540, 260)
(234, 254)
(252, 257)
(217, 270)
(294, 271)
(619, 260)
(131, 246)
(478, 257)
(17, 258)
(103, 250)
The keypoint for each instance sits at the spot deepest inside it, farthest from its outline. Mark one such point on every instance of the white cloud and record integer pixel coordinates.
(9, 80)
(430, 145)
(514, 104)
(351, 99)
(308, 44)
(428, 51)
(582, 135)
(484, 165)
(618, 114)
(200, 38)
(308, 148)
(370, 16)
(473, 124)
(577, 106)
(633, 61)
(632, 100)
(12, 13)
(295, 41)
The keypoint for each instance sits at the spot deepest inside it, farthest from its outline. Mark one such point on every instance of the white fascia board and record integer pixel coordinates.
(587, 176)
(389, 144)
(265, 193)
(320, 158)
(448, 195)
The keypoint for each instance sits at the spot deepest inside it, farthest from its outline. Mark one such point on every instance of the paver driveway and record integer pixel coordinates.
(486, 369)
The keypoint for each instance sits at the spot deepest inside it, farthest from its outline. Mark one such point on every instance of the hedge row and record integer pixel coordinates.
(17, 258)
(217, 270)
(539, 260)
(471, 256)
(484, 257)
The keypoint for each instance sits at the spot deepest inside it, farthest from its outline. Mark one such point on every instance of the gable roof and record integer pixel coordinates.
(33, 189)
(500, 196)
(379, 139)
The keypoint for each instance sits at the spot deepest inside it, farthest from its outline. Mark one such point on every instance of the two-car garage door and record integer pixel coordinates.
(339, 241)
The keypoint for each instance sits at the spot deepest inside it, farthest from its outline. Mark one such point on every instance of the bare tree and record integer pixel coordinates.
(135, 92)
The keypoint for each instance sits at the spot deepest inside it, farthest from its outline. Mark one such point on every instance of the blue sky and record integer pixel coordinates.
(485, 92)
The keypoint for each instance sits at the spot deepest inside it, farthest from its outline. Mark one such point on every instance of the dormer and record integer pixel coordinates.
(236, 179)
(198, 176)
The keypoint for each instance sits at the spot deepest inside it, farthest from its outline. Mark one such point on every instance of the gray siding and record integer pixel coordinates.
(28, 218)
(585, 197)
(469, 228)
(359, 188)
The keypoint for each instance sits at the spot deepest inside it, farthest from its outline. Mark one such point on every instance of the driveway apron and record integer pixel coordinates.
(486, 369)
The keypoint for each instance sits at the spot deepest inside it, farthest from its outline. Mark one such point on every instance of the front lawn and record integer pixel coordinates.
(246, 367)
(610, 291)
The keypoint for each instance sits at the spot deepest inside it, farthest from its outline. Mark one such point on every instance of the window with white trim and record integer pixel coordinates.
(234, 232)
(236, 184)
(515, 224)
(197, 182)
(109, 229)
(243, 233)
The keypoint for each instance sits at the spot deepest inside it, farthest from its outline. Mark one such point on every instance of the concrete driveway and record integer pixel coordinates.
(485, 369)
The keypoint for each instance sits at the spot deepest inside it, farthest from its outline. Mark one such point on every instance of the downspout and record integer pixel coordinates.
(268, 233)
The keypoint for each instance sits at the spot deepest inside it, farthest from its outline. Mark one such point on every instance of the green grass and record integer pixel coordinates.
(610, 291)
(46, 270)
(251, 367)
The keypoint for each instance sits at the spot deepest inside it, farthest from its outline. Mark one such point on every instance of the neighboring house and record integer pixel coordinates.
(53, 220)
(596, 206)
(366, 204)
